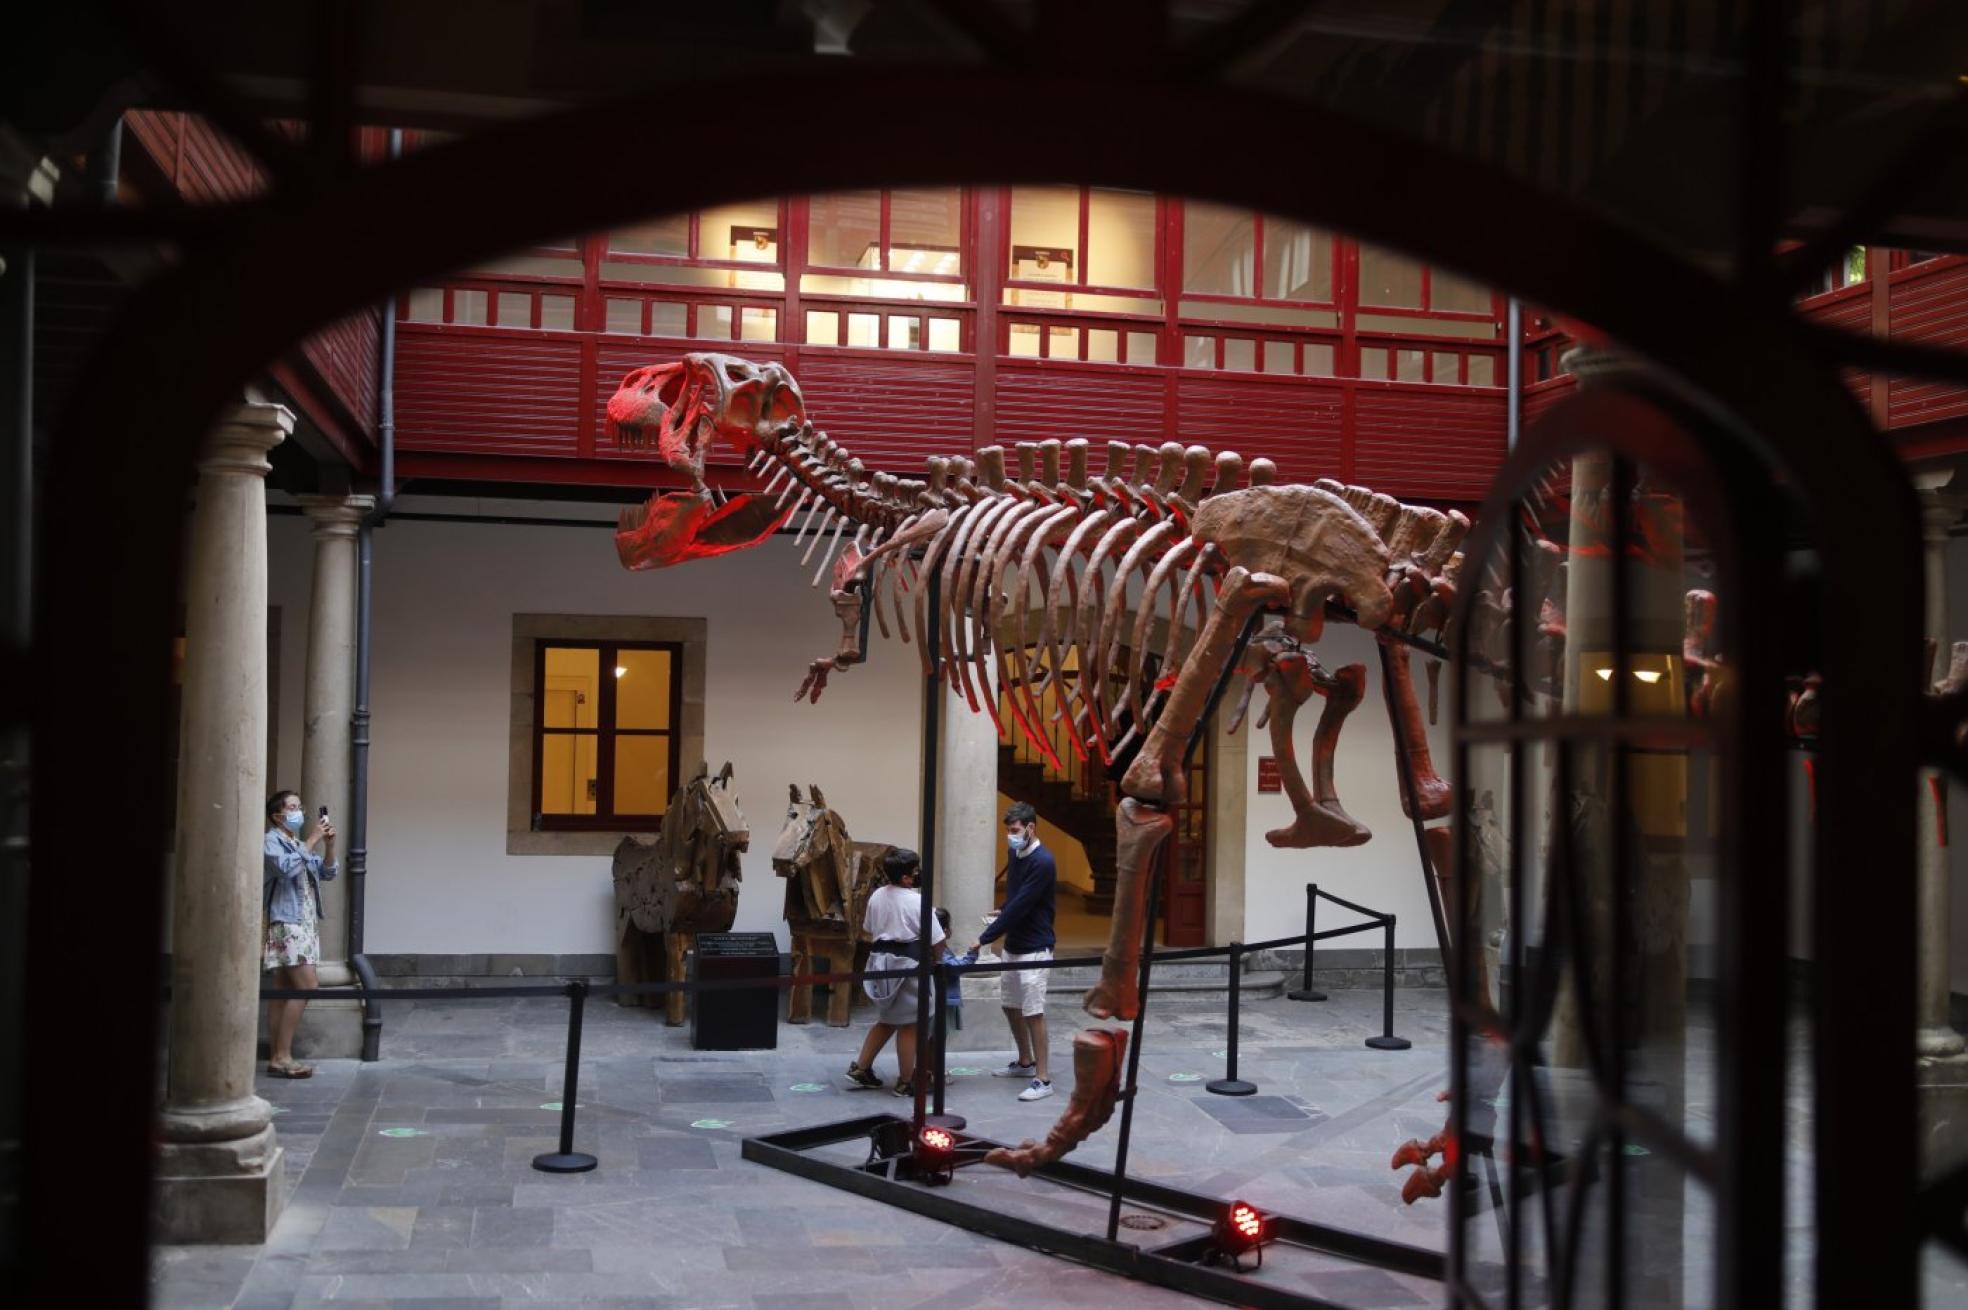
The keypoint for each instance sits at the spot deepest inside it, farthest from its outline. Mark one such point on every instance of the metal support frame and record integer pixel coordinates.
(1166, 1266)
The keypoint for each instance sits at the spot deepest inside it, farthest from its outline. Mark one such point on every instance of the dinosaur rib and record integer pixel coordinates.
(1020, 679)
(1144, 618)
(932, 553)
(1093, 589)
(1066, 578)
(984, 636)
(1135, 561)
(958, 570)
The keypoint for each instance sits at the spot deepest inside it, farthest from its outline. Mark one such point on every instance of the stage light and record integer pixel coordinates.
(936, 1153)
(1241, 1227)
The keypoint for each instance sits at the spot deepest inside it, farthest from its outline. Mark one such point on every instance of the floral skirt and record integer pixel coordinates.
(289, 944)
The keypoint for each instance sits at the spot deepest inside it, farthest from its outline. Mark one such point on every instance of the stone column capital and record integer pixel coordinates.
(336, 517)
(240, 440)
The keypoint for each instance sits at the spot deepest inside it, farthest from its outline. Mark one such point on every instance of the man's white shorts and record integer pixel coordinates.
(1025, 989)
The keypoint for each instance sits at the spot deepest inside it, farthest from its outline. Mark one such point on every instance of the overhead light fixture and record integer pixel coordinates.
(1605, 675)
(1241, 1228)
(621, 670)
(1649, 676)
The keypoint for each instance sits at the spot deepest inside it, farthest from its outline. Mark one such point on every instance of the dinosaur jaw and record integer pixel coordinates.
(679, 526)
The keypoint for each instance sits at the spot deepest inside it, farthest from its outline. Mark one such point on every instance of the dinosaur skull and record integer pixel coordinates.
(682, 408)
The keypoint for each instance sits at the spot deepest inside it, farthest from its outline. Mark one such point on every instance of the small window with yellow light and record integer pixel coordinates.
(605, 737)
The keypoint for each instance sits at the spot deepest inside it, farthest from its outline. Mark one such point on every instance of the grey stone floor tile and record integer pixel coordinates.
(506, 1228)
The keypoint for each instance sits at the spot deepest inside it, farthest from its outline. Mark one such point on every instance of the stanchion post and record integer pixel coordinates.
(567, 1160)
(1230, 1084)
(1387, 1041)
(1307, 992)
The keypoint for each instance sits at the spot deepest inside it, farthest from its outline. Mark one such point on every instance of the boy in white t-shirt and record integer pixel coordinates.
(893, 921)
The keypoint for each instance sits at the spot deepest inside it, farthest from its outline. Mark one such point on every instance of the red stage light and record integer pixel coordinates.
(1240, 1228)
(937, 1141)
(1246, 1221)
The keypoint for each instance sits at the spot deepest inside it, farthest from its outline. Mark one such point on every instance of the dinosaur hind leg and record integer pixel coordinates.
(1099, 1056)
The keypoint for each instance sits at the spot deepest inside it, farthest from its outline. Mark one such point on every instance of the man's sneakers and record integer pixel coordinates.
(1016, 1070)
(904, 1088)
(1038, 1091)
(862, 1077)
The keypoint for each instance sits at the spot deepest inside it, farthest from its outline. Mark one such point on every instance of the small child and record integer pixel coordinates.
(953, 993)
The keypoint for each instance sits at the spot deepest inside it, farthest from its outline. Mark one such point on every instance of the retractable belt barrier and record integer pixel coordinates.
(567, 1160)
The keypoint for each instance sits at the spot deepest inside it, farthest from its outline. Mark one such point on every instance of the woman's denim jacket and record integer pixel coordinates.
(292, 877)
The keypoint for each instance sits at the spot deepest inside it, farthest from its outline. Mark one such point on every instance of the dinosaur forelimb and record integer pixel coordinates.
(1099, 1057)
(1319, 818)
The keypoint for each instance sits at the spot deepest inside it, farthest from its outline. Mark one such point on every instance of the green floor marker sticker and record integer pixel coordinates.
(1185, 1078)
(1631, 1149)
(710, 1123)
(808, 1087)
(1221, 1055)
(555, 1105)
(964, 1071)
(404, 1132)
(276, 1109)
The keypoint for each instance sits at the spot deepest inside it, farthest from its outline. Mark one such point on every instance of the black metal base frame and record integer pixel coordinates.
(1176, 1265)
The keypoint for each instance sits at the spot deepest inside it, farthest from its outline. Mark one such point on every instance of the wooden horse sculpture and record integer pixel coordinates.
(829, 878)
(683, 883)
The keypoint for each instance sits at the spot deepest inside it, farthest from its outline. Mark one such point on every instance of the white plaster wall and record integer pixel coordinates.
(444, 596)
(1384, 873)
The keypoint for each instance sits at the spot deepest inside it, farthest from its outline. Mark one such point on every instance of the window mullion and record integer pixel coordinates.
(1257, 256)
(1084, 255)
(605, 735)
(882, 230)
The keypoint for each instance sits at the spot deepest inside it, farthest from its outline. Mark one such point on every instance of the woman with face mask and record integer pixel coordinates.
(296, 866)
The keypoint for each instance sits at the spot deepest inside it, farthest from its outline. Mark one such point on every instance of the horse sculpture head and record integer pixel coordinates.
(719, 799)
(814, 851)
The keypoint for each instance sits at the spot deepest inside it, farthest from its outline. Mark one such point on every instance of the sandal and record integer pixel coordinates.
(290, 1070)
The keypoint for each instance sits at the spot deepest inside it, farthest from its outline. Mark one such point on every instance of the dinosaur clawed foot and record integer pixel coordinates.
(1325, 824)
(1098, 1057)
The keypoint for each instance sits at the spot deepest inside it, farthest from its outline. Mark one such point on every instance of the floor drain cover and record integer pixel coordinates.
(1144, 1223)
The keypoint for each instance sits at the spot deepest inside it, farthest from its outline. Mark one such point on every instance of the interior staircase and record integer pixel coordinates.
(1080, 805)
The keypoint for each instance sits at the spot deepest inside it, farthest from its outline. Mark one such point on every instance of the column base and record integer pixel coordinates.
(1939, 1043)
(219, 1192)
(331, 1027)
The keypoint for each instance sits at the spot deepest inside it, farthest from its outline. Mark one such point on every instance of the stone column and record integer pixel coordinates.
(219, 1164)
(968, 838)
(1936, 1038)
(330, 701)
(1229, 817)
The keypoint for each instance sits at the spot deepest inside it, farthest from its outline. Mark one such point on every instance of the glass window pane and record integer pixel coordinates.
(748, 232)
(567, 773)
(642, 774)
(642, 688)
(714, 321)
(904, 332)
(666, 318)
(1408, 365)
(1388, 279)
(1063, 343)
(1447, 291)
(557, 313)
(1279, 357)
(1446, 367)
(1121, 239)
(755, 324)
(1373, 362)
(1023, 341)
(925, 229)
(1219, 247)
(864, 330)
(1141, 347)
(1199, 352)
(1045, 233)
(1482, 371)
(1103, 344)
(878, 288)
(945, 334)
(514, 309)
(844, 229)
(1318, 360)
(468, 307)
(688, 275)
(573, 687)
(1240, 353)
(625, 316)
(669, 235)
(1297, 261)
(823, 327)
(427, 305)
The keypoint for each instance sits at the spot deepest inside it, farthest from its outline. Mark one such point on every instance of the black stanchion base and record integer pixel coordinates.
(1231, 1087)
(564, 1162)
(1305, 994)
(956, 1123)
(1389, 1043)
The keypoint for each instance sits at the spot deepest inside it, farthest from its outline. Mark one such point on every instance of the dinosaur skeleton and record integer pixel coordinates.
(1050, 577)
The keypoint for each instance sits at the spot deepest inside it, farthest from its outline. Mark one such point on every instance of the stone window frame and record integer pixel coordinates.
(692, 635)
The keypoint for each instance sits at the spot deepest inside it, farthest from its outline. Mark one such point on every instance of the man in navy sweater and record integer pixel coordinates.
(1025, 924)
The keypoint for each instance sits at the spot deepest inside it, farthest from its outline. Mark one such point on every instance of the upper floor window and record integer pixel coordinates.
(1233, 252)
(1064, 240)
(1394, 281)
(735, 246)
(902, 244)
(1848, 269)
